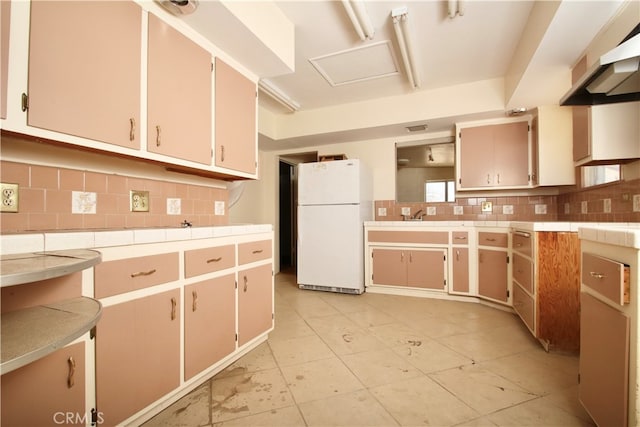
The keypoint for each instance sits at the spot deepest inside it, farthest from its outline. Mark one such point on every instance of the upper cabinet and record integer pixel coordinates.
(552, 142)
(84, 71)
(235, 113)
(179, 95)
(5, 23)
(121, 79)
(493, 155)
(606, 133)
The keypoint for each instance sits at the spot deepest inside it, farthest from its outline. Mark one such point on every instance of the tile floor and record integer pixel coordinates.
(380, 360)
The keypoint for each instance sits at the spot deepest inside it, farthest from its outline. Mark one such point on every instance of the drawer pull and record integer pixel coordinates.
(158, 137)
(132, 130)
(174, 304)
(523, 234)
(72, 372)
(596, 275)
(143, 273)
(194, 305)
(246, 282)
(490, 239)
(209, 261)
(460, 238)
(257, 251)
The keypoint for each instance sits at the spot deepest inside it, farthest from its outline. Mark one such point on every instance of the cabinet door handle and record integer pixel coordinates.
(194, 305)
(174, 304)
(597, 275)
(402, 256)
(143, 273)
(457, 255)
(257, 251)
(498, 178)
(72, 372)
(410, 256)
(209, 261)
(158, 133)
(132, 129)
(246, 282)
(222, 153)
(488, 179)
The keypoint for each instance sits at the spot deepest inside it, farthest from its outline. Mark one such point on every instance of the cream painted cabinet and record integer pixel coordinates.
(137, 354)
(43, 392)
(493, 263)
(84, 71)
(5, 23)
(552, 145)
(606, 133)
(209, 323)
(179, 95)
(235, 120)
(493, 155)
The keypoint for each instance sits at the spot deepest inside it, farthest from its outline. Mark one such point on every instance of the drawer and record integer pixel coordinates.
(207, 260)
(523, 272)
(460, 237)
(500, 240)
(523, 304)
(607, 277)
(125, 275)
(254, 251)
(523, 242)
(436, 237)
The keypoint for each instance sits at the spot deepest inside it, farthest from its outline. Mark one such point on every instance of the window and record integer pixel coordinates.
(596, 175)
(440, 191)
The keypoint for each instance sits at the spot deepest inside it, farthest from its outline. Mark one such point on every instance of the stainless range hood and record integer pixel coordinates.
(615, 77)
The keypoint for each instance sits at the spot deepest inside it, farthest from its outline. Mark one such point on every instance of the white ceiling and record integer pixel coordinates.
(482, 44)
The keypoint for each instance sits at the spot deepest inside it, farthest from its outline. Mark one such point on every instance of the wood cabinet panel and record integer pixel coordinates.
(34, 394)
(84, 71)
(389, 267)
(254, 251)
(129, 274)
(492, 274)
(207, 260)
(434, 237)
(476, 157)
(137, 354)
(426, 269)
(460, 269)
(235, 119)
(209, 323)
(179, 95)
(255, 298)
(511, 154)
(604, 362)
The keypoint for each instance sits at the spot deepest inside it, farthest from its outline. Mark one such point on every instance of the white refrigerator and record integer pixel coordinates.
(334, 200)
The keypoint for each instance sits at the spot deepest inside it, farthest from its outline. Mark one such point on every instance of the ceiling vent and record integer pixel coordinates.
(179, 7)
(416, 128)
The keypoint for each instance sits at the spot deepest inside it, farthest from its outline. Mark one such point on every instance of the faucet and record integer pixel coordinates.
(185, 224)
(415, 215)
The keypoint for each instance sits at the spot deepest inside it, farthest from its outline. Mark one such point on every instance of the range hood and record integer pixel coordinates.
(615, 77)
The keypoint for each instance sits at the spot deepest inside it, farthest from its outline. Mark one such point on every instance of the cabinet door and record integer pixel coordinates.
(581, 146)
(84, 71)
(255, 302)
(476, 157)
(179, 95)
(426, 269)
(235, 137)
(209, 323)
(604, 362)
(137, 354)
(389, 267)
(5, 22)
(460, 269)
(43, 392)
(492, 274)
(511, 154)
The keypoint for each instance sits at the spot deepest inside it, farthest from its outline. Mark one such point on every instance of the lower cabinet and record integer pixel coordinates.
(47, 392)
(209, 323)
(411, 267)
(137, 354)
(493, 274)
(460, 263)
(255, 302)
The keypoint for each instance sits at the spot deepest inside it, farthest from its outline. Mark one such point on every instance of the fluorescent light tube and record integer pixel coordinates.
(401, 27)
(277, 95)
(359, 18)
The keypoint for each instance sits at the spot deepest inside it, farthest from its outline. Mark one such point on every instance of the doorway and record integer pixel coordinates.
(288, 202)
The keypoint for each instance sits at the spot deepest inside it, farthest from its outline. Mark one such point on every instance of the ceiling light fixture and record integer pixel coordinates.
(359, 18)
(401, 27)
(277, 95)
(456, 7)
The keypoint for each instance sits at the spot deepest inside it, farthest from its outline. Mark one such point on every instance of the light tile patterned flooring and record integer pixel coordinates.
(381, 360)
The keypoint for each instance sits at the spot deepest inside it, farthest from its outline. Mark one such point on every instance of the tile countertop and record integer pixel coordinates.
(55, 241)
